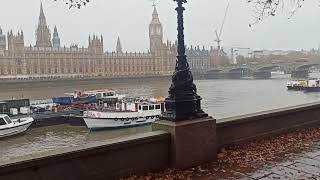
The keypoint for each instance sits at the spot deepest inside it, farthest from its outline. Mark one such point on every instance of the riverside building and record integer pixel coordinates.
(48, 59)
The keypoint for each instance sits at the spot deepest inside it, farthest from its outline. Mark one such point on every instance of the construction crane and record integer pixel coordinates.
(218, 35)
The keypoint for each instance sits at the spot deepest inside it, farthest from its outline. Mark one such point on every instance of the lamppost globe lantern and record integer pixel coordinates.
(183, 102)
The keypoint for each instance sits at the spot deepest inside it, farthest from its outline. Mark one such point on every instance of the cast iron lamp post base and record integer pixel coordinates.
(183, 102)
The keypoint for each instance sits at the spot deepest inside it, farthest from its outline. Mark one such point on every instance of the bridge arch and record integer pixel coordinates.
(240, 72)
(306, 66)
(302, 71)
(269, 68)
(240, 69)
(214, 71)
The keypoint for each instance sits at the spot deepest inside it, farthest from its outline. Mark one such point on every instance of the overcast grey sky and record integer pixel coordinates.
(130, 19)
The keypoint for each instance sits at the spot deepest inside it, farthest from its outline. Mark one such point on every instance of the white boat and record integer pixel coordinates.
(279, 74)
(9, 127)
(125, 114)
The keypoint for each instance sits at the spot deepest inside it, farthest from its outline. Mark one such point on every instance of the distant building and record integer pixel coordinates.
(47, 59)
(198, 59)
(263, 53)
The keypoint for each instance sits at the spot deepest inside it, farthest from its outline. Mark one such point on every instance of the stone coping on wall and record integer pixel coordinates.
(266, 114)
(65, 154)
(265, 124)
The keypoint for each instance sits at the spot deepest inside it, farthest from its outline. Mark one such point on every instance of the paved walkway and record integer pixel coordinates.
(304, 165)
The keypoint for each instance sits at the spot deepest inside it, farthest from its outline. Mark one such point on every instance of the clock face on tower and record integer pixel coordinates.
(155, 30)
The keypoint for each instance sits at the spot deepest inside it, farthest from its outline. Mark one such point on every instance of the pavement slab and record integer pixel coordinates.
(286, 172)
(305, 168)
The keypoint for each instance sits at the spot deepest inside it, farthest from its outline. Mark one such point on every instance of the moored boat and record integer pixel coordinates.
(313, 85)
(127, 112)
(77, 97)
(9, 127)
(297, 85)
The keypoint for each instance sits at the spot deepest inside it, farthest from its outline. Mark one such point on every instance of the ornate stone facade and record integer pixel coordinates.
(47, 59)
(3, 43)
(199, 59)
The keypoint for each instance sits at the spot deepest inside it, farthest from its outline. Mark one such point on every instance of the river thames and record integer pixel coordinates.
(221, 98)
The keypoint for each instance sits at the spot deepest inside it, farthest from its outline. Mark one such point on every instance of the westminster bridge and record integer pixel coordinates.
(261, 71)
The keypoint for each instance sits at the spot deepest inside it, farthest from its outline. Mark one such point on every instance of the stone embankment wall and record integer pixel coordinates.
(108, 160)
(242, 129)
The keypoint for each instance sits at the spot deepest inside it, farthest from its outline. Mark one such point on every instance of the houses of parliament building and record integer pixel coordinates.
(47, 59)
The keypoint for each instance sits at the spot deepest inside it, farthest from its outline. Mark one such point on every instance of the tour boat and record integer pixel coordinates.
(297, 85)
(9, 127)
(127, 112)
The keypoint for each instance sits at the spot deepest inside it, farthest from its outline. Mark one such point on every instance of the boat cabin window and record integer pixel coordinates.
(151, 107)
(108, 94)
(98, 95)
(144, 108)
(2, 122)
(157, 106)
(8, 119)
(139, 107)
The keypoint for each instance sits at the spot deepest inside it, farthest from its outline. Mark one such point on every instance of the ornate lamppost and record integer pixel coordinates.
(183, 102)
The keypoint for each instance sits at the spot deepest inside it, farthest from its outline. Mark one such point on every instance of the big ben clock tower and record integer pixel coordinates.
(155, 33)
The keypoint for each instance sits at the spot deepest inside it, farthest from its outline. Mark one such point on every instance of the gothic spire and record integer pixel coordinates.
(41, 10)
(155, 16)
(56, 38)
(3, 42)
(43, 35)
(55, 31)
(119, 46)
(42, 18)
(155, 12)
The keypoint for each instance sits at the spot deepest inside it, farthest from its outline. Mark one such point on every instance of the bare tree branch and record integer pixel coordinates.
(263, 9)
(75, 3)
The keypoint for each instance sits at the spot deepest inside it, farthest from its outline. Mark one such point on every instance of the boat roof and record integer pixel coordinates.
(3, 115)
(150, 103)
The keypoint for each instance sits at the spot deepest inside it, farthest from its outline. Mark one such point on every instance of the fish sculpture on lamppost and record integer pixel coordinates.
(183, 102)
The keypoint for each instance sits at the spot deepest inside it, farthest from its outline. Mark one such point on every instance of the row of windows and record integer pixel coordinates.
(150, 107)
(40, 70)
(69, 62)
